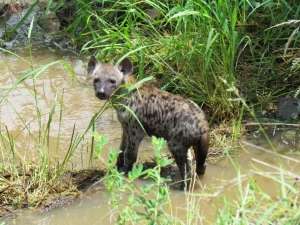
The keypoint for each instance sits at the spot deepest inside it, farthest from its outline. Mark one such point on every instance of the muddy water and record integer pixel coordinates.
(54, 86)
(18, 115)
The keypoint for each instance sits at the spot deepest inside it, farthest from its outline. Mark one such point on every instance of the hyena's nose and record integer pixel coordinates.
(101, 95)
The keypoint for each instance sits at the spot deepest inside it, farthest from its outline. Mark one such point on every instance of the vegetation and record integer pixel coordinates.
(25, 181)
(198, 48)
(229, 56)
(132, 204)
(151, 204)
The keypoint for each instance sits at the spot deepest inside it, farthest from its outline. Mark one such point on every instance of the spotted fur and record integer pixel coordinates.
(180, 121)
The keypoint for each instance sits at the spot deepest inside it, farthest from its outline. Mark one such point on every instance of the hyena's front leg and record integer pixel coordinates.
(134, 135)
(123, 147)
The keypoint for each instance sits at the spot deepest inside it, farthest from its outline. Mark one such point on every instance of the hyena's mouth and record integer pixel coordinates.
(101, 95)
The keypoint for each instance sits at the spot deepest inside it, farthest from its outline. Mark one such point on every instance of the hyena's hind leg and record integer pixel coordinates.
(179, 153)
(200, 153)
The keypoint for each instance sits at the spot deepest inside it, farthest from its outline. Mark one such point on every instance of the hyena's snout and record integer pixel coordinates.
(99, 90)
(101, 94)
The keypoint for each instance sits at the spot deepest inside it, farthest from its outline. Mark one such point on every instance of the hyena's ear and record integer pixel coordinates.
(93, 65)
(126, 67)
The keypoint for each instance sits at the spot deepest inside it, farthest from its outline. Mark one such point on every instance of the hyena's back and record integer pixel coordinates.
(165, 115)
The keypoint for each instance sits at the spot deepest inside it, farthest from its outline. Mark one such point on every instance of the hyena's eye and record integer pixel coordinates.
(112, 81)
(96, 80)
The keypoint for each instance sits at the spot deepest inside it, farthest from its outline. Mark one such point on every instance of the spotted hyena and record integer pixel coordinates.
(181, 122)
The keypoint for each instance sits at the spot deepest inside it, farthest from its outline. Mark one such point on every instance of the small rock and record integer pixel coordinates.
(9, 9)
(50, 24)
(288, 108)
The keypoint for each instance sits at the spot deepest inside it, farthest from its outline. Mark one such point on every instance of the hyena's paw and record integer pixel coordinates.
(124, 170)
(201, 169)
(119, 165)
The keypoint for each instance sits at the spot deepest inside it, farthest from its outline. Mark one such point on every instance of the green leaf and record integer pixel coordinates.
(30, 28)
(135, 172)
(165, 161)
(113, 155)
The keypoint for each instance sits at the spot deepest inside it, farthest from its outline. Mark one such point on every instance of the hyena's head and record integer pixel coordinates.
(108, 77)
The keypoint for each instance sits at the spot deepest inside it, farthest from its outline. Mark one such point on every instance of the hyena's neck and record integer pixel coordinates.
(129, 79)
(124, 93)
(122, 101)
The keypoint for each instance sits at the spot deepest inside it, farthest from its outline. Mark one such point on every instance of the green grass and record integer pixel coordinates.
(188, 47)
(197, 48)
(193, 48)
(252, 204)
(25, 181)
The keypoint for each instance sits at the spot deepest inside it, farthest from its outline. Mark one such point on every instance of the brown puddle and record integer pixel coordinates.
(80, 104)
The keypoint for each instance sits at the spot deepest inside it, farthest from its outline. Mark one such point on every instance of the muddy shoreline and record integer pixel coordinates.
(71, 185)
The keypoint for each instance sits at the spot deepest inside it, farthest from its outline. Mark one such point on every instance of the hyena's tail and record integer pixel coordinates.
(200, 153)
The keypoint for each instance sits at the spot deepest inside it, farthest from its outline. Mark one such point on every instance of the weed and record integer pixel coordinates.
(251, 204)
(145, 204)
(26, 182)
